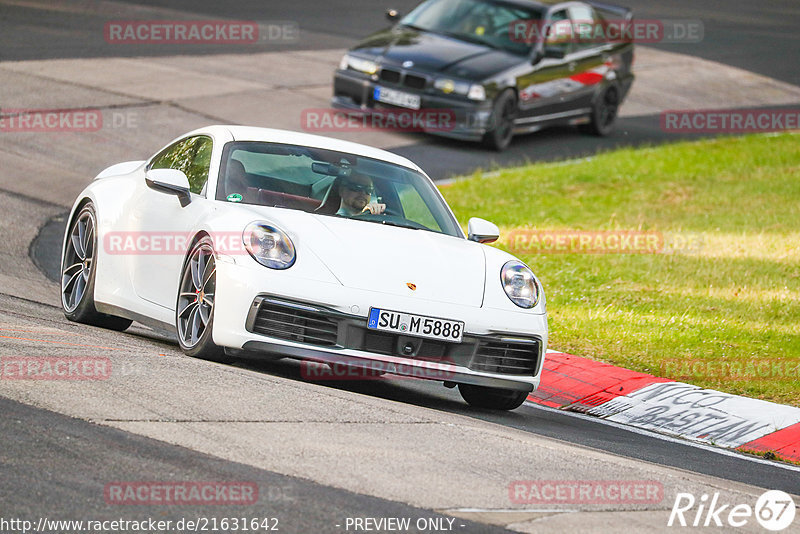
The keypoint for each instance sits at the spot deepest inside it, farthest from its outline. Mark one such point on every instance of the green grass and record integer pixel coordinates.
(735, 298)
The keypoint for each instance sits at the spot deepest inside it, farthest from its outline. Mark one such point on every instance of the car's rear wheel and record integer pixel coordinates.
(194, 312)
(504, 113)
(604, 113)
(78, 271)
(492, 398)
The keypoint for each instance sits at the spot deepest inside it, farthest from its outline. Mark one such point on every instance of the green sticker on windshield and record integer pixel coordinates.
(234, 197)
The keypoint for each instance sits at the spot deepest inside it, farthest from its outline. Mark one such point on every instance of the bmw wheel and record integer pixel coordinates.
(78, 271)
(492, 398)
(194, 313)
(604, 113)
(504, 114)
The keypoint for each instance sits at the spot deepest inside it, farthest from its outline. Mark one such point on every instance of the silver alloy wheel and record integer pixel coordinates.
(77, 265)
(196, 298)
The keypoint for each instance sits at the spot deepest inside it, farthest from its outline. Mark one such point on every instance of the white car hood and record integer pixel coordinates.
(385, 259)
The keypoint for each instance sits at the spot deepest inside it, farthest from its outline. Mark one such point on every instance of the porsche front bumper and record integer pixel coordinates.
(272, 312)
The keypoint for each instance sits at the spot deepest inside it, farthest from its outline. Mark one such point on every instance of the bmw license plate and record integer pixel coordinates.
(397, 98)
(415, 325)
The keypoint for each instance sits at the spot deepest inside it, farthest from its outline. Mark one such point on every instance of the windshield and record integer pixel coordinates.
(331, 183)
(480, 21)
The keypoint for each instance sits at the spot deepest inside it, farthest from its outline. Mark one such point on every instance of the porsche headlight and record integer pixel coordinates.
(268, 245)
(519, 284)
(356, 63)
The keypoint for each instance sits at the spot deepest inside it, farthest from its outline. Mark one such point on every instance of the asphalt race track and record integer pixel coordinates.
(753, 36)
(319, 452)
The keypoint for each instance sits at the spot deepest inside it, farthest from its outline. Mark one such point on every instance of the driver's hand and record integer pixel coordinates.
(374, 208)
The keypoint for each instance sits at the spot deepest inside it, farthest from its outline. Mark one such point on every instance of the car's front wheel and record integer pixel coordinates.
(504, 113)
(194, 313)
(492, 398)
(78, 271)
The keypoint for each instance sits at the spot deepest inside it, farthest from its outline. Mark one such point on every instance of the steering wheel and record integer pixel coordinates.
(391, 211)
(387, 211)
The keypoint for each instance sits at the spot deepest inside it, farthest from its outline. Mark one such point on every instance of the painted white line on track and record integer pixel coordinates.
(637, 430)
(512, 510)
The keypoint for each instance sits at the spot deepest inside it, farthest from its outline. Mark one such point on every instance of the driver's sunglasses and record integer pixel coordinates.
(359, 188)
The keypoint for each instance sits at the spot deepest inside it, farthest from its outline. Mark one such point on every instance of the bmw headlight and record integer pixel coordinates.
(519, 284)
(356, 63)
(268, 245)
(448, 86)
(477, 92)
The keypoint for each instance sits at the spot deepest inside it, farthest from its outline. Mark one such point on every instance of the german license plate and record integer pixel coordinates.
(415, 325)
(398, 98)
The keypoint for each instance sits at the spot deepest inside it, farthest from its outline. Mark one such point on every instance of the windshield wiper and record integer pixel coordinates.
(416, 28)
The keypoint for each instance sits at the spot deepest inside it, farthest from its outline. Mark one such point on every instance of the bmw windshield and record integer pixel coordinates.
(477, 21)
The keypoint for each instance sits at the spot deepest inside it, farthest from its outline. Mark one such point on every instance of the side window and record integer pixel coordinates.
(201, 163)
(587, 29)
(559, 33)
(192, 156)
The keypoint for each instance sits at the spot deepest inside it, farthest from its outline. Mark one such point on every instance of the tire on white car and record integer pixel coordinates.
(492, 398)
(78, 272)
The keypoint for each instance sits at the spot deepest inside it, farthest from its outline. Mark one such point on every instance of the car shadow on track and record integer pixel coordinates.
(413, 391)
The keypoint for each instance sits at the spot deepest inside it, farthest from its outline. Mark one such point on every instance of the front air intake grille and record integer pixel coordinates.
(507, 357)
(390, 76)
(295, 323)
(414, 82)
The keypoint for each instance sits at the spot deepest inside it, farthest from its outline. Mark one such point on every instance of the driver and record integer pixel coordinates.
(356, 192)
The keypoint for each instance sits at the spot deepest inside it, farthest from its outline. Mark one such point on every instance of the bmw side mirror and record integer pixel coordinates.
(554, 52)
(393, 15)
(170, 181)
(482, 231)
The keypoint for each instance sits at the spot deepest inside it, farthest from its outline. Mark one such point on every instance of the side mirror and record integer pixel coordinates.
(171, 181)
(482, 231)
(393, 15)
(554, 52)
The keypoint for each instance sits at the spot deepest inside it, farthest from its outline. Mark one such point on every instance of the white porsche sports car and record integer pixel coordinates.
(281, 244)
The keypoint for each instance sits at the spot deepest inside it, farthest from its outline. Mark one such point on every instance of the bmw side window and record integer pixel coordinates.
(587, 29)
(559, 32)
(192, 156)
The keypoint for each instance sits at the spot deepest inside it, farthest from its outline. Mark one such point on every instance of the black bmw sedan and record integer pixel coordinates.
(497, 67)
